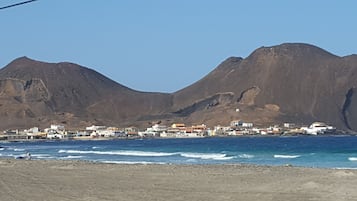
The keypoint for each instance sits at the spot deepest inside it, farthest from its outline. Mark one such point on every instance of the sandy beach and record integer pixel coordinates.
(78, 180)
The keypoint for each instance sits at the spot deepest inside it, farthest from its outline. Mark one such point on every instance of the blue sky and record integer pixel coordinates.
(162, 45)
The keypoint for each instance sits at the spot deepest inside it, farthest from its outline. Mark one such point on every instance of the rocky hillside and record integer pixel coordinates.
(291, 82)
(36, 93)
(285, 83)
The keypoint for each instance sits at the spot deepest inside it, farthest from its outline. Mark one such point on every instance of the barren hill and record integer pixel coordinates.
(285, 83)
(36, 93)
(291, 82)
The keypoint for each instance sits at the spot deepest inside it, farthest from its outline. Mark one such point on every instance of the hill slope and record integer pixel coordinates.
(285, 83)
(34, 93)
(292, 82)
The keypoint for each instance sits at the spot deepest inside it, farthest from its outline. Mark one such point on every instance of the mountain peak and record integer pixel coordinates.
(26, 64)
(24, 60)
(292, 49)
(300, 47)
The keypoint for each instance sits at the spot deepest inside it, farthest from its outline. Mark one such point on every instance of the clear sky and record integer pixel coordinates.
(163, 45)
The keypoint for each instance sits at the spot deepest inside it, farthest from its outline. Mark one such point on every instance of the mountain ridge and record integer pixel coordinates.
(75, 91)
(291, 82)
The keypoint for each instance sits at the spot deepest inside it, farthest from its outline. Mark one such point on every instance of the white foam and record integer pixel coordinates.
(40, 155)
(286, 156)
(352, 158)
(191, 160)
(143, 153)
(72, 157)
(206, 156)
(45, 157)
(95, 147)
(247, 156)
(2, 149)
(345, 168)
(132, 162)
(122, 153)
(19, 149)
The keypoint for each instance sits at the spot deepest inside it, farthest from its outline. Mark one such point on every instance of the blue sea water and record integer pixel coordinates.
(306, 151)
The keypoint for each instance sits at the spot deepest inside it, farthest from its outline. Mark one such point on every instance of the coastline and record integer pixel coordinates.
(323, 152)
(207, 137)
(83, 180)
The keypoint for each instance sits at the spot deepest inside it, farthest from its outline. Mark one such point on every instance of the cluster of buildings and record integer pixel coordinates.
(243, 128)
(177, 130)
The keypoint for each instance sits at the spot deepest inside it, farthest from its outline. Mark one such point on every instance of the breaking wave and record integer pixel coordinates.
(345, 168)
(121, 153)
(246, 156)
(207, 156)
(132, 162)
(43, 156)
(19, 149)
(286, 156)
(72, 157)
(352, 158)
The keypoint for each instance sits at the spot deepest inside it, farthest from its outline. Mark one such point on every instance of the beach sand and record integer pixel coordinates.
(78, 180)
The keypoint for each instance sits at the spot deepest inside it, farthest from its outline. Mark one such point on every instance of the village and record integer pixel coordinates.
(176, 130)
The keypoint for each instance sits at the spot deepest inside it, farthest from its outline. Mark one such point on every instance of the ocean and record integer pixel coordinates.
(306, 151)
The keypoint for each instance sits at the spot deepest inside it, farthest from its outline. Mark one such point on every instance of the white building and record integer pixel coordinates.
(57, 127)
(318, 128)
(240, 123)
(54, 136)
(289, 125)
(247, 125)
(95, 128)
(33, 130)
(159, 128)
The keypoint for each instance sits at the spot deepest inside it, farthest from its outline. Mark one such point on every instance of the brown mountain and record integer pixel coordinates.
(33, 93)
(286, 83)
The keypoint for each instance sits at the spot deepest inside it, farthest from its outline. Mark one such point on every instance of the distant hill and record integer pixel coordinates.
(285, 83)
(291, 82)
(36, 93)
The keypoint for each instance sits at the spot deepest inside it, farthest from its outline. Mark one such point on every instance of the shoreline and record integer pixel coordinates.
(239, 151)
(84, 180)
(207, 137)
(134, 163)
